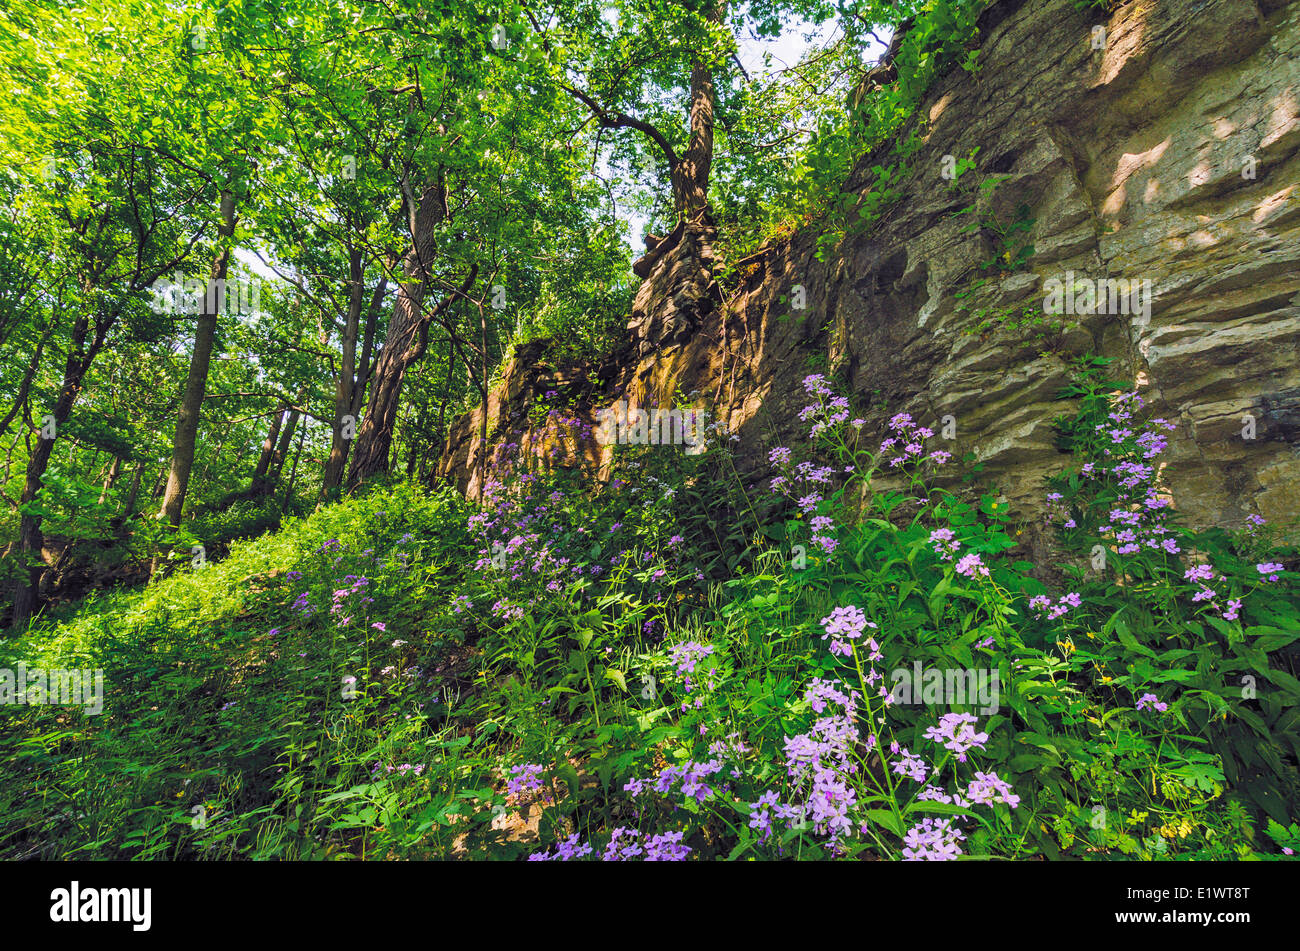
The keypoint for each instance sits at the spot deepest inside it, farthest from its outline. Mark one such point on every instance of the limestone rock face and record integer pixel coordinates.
(1154, 167)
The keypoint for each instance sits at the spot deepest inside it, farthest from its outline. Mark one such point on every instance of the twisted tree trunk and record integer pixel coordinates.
(408, 335)
(678, 288)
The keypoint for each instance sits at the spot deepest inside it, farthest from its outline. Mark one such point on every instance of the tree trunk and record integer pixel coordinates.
(187, 423)
(261, 485)
(343, 386)
(30, 538)
(363, 371)
(368, 346)
(114, 469)
(293, 473)
(282, 450)
(691, 175)
(406, 340)
(677, 288)
(129, 508)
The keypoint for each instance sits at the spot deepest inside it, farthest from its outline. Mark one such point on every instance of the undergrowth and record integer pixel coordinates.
(848, 661)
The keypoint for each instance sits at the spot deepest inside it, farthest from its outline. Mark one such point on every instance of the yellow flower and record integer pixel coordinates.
(1180, 830)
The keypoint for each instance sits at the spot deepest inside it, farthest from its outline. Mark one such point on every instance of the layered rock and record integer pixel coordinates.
(1164, 150)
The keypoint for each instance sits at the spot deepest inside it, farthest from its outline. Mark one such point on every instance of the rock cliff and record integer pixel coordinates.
(1142, 163)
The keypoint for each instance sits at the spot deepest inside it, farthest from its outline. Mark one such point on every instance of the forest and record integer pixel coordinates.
(437, 431)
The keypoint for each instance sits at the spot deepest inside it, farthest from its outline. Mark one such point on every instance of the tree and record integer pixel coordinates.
(187, 423)
(629, 73)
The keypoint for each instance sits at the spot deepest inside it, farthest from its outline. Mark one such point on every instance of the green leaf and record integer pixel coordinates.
(886, 819)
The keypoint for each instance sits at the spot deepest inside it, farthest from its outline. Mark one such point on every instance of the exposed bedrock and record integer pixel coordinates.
(1166, 157)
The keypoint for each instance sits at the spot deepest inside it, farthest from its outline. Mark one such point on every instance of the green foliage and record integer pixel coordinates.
(938, 36)
(960, 168)
(1011, 253)
(1018, 319)
(651, 661)
(372, 681)
(1235, 669)
(1012, 249)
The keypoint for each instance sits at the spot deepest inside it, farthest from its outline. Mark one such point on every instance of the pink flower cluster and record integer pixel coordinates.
(1042, 605)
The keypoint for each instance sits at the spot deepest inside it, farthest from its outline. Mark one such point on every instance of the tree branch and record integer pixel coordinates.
(620, 120)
